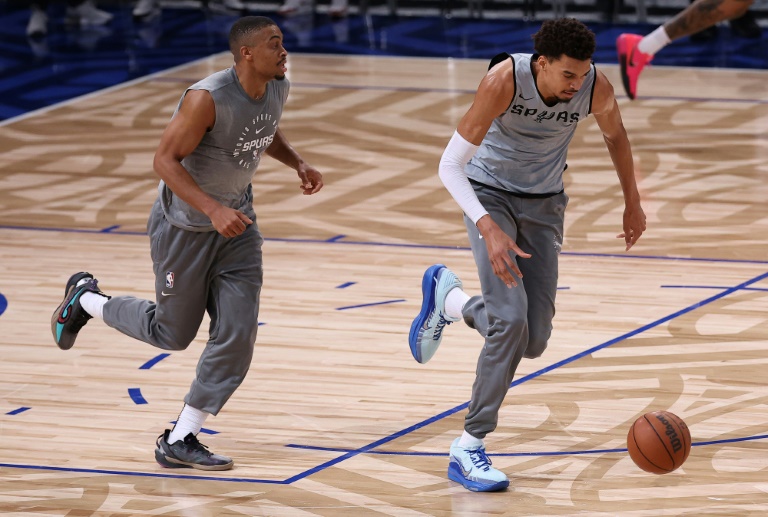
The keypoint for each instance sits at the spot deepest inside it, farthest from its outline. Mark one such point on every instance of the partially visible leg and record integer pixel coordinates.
(145, 8)
(181, 261)
(37, 27)
(541, 234)
(702, 14)
(637, 51)
(85, 13)
(233, 304)
(501, 314)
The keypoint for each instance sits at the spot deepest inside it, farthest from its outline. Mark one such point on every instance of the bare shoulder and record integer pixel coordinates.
(602, 97)
(197, 99)
(198, 108)
(499, 81)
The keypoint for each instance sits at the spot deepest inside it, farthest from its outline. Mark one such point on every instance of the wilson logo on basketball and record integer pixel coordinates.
(669, 430)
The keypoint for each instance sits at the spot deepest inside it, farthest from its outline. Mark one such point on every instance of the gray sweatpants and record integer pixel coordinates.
(195, 272)
(515, 322)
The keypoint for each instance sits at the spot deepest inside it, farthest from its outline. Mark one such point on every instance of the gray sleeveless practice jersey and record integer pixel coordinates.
(525, 148)
(224, 162)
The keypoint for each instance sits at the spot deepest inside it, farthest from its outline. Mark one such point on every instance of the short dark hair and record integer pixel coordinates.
(564, 36)
(244, 28)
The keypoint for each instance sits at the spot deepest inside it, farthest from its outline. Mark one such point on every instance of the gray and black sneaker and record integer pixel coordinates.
(69, 317)
(188, 453)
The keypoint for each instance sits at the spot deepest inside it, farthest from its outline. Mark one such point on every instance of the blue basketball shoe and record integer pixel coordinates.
(472, 468)
(427, 328)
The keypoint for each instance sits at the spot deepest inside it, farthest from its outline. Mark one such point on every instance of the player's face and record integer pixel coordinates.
(269, 55)
(563, 77)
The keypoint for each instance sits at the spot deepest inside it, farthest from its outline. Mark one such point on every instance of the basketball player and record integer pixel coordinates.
(504, 167)
(637, 51)
(205, 244)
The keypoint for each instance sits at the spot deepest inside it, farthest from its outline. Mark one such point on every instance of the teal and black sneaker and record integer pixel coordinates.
(69, 317)
(427, 328)
(188, 453)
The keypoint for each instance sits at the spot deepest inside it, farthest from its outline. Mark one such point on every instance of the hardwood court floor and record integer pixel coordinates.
(335, 417)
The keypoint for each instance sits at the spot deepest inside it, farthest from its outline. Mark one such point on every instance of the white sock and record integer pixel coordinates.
(93, 304)
(190, 420)
(468, 441)
(654, 41)
(454, 303)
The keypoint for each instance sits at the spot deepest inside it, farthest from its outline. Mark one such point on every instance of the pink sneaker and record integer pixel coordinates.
(632, 61)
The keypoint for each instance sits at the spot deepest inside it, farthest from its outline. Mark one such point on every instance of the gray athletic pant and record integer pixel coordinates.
(515, 322)
(209, 272)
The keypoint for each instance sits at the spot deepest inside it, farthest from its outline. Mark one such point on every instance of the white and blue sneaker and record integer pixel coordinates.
(427, 328)
(472, 468)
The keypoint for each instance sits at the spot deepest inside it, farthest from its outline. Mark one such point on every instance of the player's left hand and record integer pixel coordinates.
(311, 179)
(634, 224)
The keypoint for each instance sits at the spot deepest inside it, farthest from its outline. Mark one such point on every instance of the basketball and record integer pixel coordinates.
(659, 442)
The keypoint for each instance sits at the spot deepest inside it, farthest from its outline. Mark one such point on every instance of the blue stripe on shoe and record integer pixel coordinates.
(455, 474)
(427, 306)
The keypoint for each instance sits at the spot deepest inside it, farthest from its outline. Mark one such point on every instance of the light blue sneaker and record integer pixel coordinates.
(427, 328)
(472, 468)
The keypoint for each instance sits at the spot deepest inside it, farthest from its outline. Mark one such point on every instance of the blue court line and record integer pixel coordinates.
(760, 289)
(460, 407)
(368, 305)
(345, 285)
(519, 454)
(335, 240)
(152, 362)
(136, 396)
(141, 474)
(110, 229)
(3, 303)
(528, 377)
(18, 410)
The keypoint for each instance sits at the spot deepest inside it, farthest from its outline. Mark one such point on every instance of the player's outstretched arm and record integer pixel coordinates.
(493, 97)
(606, 112)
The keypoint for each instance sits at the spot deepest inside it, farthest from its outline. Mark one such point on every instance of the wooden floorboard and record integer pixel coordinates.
(335, 418)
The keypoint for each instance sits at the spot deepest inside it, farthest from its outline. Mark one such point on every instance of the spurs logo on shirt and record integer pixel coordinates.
(541, 116)
(254, 140)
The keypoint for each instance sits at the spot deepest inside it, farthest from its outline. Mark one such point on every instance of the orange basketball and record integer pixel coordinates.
(659, 442)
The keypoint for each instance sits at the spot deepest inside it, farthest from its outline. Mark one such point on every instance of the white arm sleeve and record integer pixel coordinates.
(457, 154)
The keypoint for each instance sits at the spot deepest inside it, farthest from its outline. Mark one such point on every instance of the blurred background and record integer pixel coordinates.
(59, 49)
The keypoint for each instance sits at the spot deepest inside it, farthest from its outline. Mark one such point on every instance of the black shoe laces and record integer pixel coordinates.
(193, 443)
(441, 323)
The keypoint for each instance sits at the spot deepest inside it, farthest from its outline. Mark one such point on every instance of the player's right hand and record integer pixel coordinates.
(229, 222)
(499, 244)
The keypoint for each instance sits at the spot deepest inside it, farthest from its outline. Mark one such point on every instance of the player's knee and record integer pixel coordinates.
(168, 339)
(508, 325)
(535, 348)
